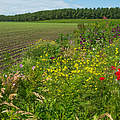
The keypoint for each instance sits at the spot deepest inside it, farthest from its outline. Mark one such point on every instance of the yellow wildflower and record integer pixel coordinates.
(76, 65)
(116, 51)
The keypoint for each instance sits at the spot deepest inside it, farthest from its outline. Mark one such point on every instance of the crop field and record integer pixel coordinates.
(14, 37)
(74, 77)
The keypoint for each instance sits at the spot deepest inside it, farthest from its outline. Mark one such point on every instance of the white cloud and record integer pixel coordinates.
(11, 7)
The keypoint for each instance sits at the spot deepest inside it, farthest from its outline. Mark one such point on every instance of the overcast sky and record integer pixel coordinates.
(12, 7)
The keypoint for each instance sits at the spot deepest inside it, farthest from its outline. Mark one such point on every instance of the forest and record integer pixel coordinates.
(67, 13)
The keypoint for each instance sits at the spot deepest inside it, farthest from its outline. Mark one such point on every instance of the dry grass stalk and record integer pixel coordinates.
(8, 111)
(23, 113)
(77, 118)
(3, 90)
(70, 52)
(11, 96)
(5, 111)
(32, 119)
(40, 97)
(11, 82)
(105, 114)
(9, 104)
(1, 95)
(45, 90)
(40, 100)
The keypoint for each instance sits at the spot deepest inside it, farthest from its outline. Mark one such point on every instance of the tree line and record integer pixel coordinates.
(68, 13)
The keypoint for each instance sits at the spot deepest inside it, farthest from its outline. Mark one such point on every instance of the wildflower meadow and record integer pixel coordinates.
(75, 77)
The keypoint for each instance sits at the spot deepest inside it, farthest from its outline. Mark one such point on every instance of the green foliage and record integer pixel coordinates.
(50, 48)
(67, 13)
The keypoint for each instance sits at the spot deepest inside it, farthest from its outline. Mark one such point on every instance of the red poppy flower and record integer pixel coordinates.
(119, 69)
(117, 73)
(101, 78)
(118, 78)
(113, 67)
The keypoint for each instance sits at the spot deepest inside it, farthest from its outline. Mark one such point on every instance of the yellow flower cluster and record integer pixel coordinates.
(95, 64)
(116, 51)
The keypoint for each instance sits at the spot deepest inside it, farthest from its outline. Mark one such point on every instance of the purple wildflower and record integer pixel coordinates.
(84, 40)
(21, 75)
(21, 65)
(52, 58)
(91, 40)
(77, 49)
(113, 29)
(81, 42)
(33, 67)
(110, 41)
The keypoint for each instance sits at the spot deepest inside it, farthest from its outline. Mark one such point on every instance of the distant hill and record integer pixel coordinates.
(68, 13)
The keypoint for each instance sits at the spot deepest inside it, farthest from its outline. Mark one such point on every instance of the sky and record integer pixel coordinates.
(12, 7)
